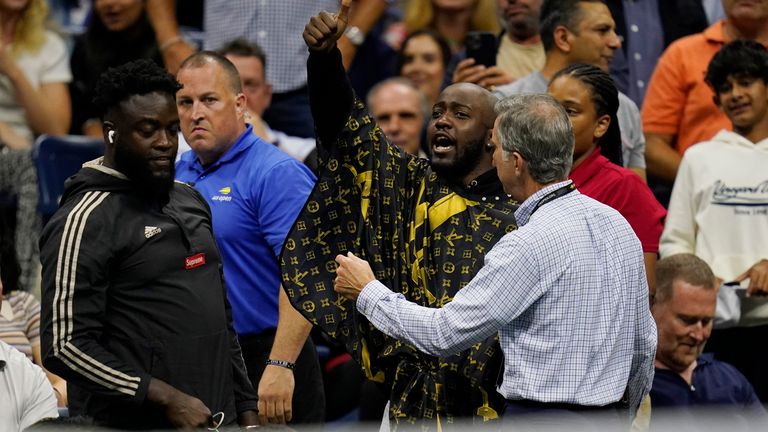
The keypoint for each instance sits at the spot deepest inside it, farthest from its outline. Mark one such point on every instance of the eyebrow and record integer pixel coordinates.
(571, 102)
(454, 105)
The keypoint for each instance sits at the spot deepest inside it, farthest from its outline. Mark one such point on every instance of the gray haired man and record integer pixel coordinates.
(567, 290)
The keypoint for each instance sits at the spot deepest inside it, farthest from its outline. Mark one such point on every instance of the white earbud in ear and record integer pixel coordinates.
(111, 136)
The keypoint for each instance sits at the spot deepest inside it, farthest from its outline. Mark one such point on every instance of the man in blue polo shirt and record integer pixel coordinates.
(255, 192)
(683, 308)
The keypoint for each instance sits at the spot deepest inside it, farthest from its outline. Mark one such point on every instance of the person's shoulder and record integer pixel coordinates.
(187, 191)
(53, 38)
(530, 83)
(93, 203)
(53, 47)
(269, 160)
(19, 299)
(184, 163)
(594, 210)
(265, 154)
(620, 176)
(627, 104)
(707, 362)
(722, 141)
(685, 44)
(16, 361)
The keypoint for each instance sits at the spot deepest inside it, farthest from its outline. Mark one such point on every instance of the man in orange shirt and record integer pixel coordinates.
(678, 110)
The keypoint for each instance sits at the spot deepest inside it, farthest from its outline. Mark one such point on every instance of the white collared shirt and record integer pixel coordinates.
(26, 395)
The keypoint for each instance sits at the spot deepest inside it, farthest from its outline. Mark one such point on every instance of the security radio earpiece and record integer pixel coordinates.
(111, 136)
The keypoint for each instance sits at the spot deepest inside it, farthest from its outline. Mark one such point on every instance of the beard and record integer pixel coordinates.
(153, 184)
(524, 28)
(465, 160)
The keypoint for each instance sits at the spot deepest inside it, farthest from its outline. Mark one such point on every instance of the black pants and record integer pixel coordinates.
(308, 395)
(746, 349)
(524, 415)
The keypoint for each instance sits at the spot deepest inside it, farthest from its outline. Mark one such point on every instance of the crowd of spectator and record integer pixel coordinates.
(668, 102)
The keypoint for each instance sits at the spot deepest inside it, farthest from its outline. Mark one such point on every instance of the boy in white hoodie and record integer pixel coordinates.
(719, 209)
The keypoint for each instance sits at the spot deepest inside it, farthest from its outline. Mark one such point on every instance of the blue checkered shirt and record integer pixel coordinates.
(567, 293)
(276, 25)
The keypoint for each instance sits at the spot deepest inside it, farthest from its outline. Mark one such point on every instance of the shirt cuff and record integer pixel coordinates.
(370, 295)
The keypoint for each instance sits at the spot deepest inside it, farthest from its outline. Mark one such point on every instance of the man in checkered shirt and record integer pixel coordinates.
(566, 292)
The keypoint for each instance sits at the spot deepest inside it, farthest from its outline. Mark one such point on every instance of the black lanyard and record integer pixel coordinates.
(555, 194)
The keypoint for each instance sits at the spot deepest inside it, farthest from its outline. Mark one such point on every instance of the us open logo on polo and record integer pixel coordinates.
(194, 261)
(225, 191)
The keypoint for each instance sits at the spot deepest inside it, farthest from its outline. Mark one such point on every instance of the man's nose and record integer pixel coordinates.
(699, 332)
(198, 113)
(442, 122)
(614, 42)
(395, 124)
(737, 91)
(167, 139)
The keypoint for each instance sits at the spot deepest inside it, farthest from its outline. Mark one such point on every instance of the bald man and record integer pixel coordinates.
(424, 225)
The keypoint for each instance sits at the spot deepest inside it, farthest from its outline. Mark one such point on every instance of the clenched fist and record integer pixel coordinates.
(323, 30)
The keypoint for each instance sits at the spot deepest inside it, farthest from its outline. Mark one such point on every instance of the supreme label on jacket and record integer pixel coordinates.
(194, 261)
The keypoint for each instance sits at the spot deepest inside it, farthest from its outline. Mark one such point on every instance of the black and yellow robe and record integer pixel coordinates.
(423, 237)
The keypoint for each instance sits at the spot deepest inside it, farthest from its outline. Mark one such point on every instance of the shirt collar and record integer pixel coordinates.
(588, 168)
(705, 359)
(715, 32)
(486, 184)
(6, 311)
(525, 210)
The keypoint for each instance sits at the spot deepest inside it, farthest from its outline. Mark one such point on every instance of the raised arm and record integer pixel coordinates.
(330, 93)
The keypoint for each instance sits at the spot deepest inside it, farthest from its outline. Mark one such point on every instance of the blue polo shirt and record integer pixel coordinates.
(255, 192)
(713, 383)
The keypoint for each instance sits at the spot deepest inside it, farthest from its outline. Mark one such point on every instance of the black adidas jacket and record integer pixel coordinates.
(133, 290)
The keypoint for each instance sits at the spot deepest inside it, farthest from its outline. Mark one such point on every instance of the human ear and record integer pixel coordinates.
(110, 134)
(562, 38)
(601, 126)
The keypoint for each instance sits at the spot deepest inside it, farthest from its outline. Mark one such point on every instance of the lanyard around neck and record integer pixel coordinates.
(555, 194)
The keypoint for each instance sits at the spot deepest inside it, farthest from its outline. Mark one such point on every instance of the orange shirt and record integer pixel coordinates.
(678, 101)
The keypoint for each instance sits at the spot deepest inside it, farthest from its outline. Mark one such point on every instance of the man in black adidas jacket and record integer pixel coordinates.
(134, 311)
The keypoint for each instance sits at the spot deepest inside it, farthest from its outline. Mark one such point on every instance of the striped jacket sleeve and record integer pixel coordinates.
(75, 253)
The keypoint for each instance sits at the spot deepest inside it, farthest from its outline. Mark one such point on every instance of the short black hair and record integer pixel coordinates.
(138, 77)
(605, 97)
(244, 48)
(555, 13)
(738, 58)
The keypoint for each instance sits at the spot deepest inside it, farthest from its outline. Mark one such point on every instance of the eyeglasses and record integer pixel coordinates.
(215, 424)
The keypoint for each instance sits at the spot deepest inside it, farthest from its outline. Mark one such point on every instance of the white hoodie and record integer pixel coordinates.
(719, 211)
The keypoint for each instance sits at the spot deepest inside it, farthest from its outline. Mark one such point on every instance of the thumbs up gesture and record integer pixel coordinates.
(323, 30)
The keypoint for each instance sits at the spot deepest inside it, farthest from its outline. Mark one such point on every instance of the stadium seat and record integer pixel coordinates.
(56, 159)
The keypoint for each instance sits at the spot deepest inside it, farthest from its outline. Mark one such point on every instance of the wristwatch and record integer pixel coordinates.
(355, 35)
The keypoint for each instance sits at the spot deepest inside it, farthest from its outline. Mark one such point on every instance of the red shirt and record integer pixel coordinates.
(621, 189)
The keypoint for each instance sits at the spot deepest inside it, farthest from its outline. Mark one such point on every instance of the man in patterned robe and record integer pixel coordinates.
(424, 226)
